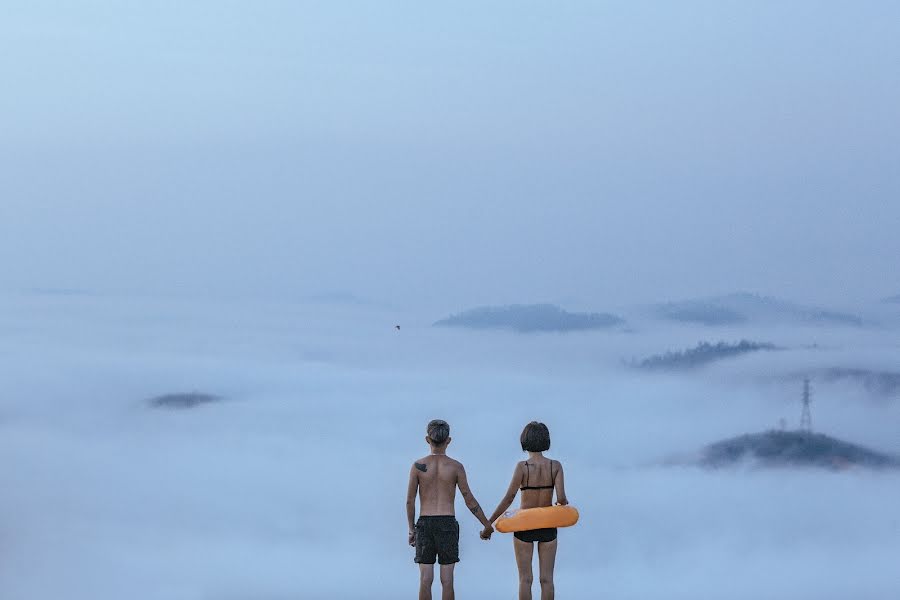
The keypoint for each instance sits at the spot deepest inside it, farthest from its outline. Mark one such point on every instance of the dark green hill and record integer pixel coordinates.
(794, 449)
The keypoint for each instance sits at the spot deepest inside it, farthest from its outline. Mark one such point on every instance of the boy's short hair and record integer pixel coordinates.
(535, 437)
(438, 431)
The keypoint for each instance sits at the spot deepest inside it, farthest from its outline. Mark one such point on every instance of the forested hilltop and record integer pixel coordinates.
(700, 355)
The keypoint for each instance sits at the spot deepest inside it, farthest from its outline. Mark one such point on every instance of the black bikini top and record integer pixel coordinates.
(537, 487)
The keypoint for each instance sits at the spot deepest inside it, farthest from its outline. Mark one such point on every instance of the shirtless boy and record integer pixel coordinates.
(436, 534)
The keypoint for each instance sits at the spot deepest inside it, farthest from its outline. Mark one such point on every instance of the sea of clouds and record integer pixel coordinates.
(293, 486)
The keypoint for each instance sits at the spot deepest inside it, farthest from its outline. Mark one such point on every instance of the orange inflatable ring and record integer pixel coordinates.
(537, 518)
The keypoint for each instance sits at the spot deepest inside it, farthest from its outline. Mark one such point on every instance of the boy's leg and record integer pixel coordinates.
(447, 592)
(524, 555)
(426, 578)
(447, 537)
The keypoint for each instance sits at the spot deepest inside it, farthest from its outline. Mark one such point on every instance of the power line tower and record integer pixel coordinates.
(805, 415)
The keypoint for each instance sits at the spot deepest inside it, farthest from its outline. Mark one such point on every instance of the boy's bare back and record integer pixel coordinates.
(437, 476)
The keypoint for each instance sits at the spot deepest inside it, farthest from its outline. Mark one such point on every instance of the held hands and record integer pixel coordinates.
(412, 538)
(486, 533)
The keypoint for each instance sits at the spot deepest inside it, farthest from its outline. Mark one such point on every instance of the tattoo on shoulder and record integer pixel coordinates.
(422, 467)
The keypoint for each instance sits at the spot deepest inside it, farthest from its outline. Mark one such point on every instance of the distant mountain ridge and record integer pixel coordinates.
(700, 355)
(735, 309)
(528, 318)
(883, 383)
(794, 449)
(700, 312)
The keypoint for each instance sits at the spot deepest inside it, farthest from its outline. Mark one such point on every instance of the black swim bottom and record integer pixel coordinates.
(537, 535)
(437, 537)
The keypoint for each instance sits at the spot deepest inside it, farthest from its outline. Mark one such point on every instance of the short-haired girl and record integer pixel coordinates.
(536, 478)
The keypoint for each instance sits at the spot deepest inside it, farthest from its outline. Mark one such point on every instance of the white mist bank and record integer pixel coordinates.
(260, 497)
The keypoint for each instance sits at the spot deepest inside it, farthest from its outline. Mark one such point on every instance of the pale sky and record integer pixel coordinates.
(469, 153)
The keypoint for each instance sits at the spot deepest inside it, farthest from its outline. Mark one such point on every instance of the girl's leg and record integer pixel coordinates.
(546, 562)
(524, 554)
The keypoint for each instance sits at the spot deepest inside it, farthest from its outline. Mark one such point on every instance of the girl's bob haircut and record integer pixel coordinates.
(535, 437)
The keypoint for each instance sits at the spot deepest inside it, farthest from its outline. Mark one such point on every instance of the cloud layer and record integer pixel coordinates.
(299, 473)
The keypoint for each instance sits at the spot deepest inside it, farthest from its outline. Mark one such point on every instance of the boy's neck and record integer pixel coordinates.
(438, 451)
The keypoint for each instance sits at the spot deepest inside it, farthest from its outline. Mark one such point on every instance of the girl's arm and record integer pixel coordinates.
(510, 493)
(560, 483)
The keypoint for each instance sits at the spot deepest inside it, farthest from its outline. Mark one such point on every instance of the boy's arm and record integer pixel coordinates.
(467, 495)
(411, 504)
(511, 492)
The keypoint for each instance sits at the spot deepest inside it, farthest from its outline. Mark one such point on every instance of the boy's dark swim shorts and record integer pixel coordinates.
(437, 537)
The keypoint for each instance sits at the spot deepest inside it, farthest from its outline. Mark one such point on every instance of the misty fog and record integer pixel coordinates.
(106, 496)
